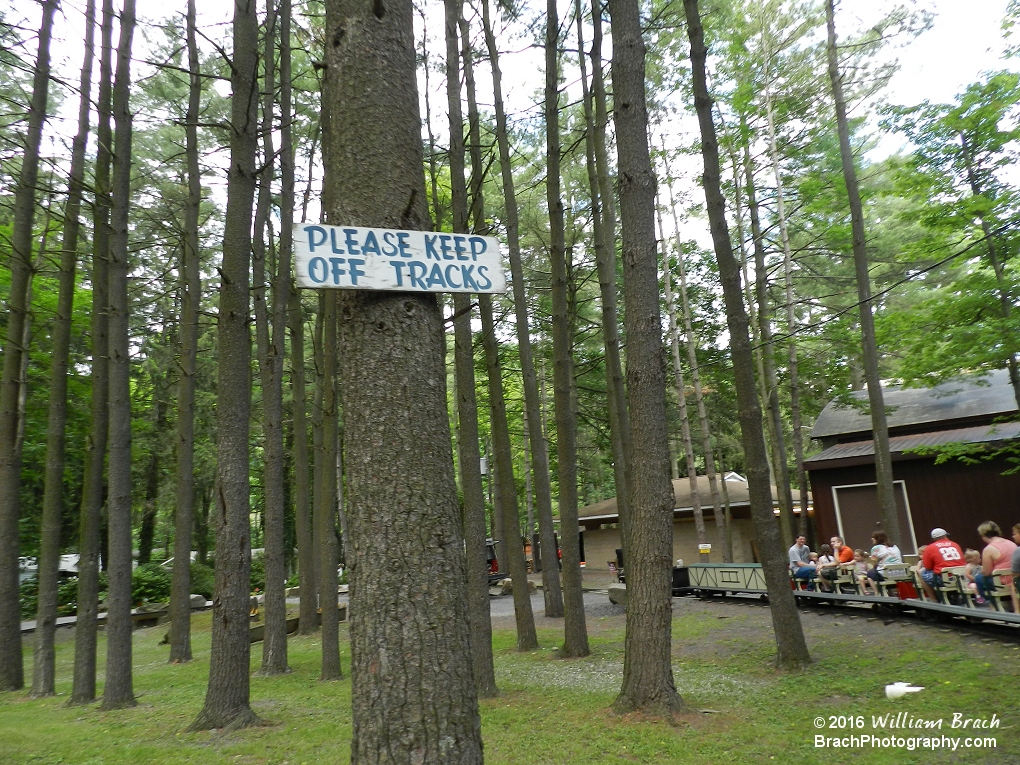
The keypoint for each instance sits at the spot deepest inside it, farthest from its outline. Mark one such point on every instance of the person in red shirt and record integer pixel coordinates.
(841, 554)
(941, 553)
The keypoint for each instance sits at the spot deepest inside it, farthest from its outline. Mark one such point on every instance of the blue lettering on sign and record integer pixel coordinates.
(353, 264)
(478, 246)
(398, 268)
(458, 247)
(444, 245)
(430, 247)
(417, 271)
(452, 269)
(352, 243)
(314, 265)
(482, 270)
(436, 277)
(337, 271)
(469, 280)
(371, 245)
(312, 231)
(332, 243)
(389, 245)
(402, 238)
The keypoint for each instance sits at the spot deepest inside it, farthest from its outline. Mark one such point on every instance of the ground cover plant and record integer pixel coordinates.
(555, 712)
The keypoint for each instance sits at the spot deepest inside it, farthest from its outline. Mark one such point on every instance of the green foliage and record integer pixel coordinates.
(202, 579)
(28, 595)
(67, 597)
(150, 583)
(258, 573)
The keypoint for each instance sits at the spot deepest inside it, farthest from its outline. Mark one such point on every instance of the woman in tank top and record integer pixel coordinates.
(997, 554)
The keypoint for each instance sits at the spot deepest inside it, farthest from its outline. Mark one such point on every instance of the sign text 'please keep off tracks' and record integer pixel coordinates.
(362, 258)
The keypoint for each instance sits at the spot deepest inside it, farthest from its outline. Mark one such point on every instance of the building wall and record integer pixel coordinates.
(954, 496)
(600, 544)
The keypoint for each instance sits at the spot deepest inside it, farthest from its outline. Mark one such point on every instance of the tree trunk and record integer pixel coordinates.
(327, 489)
(532, 403)
(768, 382)
(12, 672)
(887, 510)
(681, 395)
(44, 669)
(271, 353)
(721, 518)
(527, 638)
(147, 529)
(418, 705)
(791, 320)
(191, 291)
(603, 234)
(792, 648)
(90, 527)
(575, 631)
(227, 695)
(118, 691)
(467, 404)
(647, 669)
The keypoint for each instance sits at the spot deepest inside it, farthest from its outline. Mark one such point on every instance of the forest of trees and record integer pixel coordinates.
(167, 388)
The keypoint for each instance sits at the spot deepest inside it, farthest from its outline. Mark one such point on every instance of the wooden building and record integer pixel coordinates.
(953, 495)
(601, 532)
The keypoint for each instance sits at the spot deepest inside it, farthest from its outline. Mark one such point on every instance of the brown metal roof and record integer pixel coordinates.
(981, 396)
(900, 444)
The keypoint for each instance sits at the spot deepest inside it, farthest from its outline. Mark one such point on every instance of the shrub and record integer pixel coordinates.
(67, 597)
(28, 595)
(202, 579)
(150, 584)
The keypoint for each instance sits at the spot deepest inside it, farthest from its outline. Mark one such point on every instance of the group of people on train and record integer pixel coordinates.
(999, 554)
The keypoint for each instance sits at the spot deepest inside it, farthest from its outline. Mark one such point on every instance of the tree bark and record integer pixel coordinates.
(647, 670)
(792, 648)
(12, 672)
(118, 691)
(191, 290)
(467, 404)
(271, 354)
(227, 695)
(414, 705)
(575, 631)
(83, 689)
(44, 658)
(551, 592)
(887, 509)
(527, 638)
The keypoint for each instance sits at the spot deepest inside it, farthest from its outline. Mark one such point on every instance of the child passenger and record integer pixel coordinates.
(861, 571)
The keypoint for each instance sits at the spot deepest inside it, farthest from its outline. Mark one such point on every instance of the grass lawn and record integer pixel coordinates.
(556, 712)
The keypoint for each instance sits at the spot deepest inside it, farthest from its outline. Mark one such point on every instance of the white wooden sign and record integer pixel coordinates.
(360, 258)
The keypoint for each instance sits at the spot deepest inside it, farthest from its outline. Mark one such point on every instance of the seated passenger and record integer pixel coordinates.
(940, 554)
(824, 562)
(884, 554)
(1015, 568)
(998, 554)
(973, 560)
(861, 571)
(801, 565)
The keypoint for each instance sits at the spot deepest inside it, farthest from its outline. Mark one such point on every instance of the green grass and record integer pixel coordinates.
(553, 711)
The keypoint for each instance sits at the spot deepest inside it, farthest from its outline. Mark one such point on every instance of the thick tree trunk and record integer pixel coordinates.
(83, 689)
(887, 510)
(467, 404)
(12, 672)
(44, 670)
(118, 691)
(575, 631)
(506, 504)
(191, 290)
(227, 695)
(408, 705)
(792, 648)
(551, 592)
(647, 670)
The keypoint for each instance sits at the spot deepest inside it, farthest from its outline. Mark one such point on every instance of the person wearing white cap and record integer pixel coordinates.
(942, 552)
